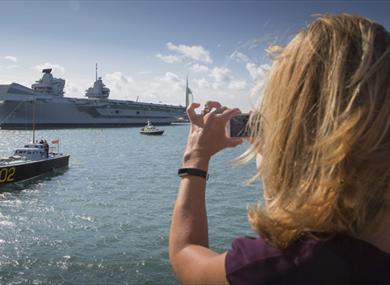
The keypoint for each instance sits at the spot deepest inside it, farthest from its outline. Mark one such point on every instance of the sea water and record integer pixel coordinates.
(106, 219)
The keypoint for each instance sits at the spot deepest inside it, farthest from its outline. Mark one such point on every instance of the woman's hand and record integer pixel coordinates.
(207, 134)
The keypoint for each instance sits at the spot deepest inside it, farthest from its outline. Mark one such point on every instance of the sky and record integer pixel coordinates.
(146, 49)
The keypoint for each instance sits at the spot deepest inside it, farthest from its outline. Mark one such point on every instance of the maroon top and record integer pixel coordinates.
(341, 260)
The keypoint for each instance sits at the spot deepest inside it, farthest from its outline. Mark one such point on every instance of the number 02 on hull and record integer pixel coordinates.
(26, 170)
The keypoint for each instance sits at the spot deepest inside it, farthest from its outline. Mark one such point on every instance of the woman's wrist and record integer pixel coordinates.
(195, 159)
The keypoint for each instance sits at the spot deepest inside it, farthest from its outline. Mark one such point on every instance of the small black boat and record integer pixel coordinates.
(30, 161)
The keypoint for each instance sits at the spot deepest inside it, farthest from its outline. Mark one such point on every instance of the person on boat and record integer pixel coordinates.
(46, 148)
(321, 139)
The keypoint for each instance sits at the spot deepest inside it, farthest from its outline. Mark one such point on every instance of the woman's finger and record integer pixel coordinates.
(219, 110)
(223, 109)
(229, 113)
(232, 142)
(191, 111)
(212, 104)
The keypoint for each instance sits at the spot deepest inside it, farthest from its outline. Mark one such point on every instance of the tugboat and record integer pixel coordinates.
(32, 160)
(149, 129)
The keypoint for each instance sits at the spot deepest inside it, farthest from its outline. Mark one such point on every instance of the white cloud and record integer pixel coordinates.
(55, 67)
(144, 72)
(202, 83)
(169, 58)
(118, 77)
(217, 86)
(11, 58)
(153, 95)
(170, 77)
(12, 66)
(199, 68)
(155, 85)
(197, 53)
(118, 82)
(256, 93)
(169, 88)
(75, 89)
(220, 74)
(237, 85)
(252, 43)
(257, 71)
(239, 56)
(172, 80)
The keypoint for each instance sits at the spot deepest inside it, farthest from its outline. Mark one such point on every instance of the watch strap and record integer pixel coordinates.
(182, 172)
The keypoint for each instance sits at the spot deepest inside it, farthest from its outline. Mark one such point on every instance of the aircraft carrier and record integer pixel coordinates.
(45, 104)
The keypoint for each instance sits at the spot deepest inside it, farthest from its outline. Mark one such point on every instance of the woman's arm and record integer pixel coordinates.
(192, 260)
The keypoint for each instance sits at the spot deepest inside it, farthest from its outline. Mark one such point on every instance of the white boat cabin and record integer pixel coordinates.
(149, 127)
(32, 152)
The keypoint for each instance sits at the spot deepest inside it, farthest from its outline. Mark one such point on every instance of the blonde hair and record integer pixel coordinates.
(323, 129)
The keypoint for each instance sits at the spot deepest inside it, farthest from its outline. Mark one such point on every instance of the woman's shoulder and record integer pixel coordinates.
(249, 256)
(248, 250)
(253, 261)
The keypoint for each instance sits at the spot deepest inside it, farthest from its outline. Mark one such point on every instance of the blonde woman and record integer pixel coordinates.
(321, 136)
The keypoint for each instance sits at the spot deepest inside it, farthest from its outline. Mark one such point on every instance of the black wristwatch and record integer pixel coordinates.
(182, 172)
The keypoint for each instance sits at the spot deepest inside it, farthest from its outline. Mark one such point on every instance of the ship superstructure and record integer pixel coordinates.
(99, 90)
(49, 85)
(53, 110)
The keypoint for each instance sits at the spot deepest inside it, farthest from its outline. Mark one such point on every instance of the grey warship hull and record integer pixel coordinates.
(18, 105)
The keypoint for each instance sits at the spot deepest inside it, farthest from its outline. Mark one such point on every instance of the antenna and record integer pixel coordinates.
(96, 73)
(33, 122)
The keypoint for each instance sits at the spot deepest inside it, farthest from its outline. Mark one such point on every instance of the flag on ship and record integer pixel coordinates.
(57, 141)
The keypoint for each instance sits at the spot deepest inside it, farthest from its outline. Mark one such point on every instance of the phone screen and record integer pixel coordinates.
(238, 126)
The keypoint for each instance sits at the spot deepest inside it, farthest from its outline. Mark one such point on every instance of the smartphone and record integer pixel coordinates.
(238, 126)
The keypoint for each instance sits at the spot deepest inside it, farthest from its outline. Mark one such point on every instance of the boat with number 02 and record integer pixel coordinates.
(32, 160)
